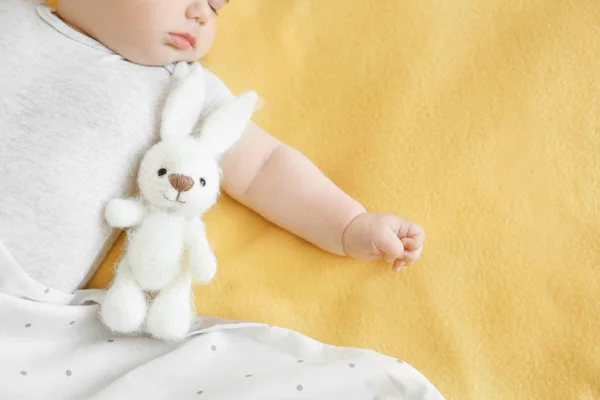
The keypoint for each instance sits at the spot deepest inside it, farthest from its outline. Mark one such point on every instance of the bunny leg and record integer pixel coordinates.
(170, 314)
(124, 306)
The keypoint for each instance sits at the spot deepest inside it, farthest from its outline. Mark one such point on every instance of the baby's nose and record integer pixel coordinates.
(181, 183)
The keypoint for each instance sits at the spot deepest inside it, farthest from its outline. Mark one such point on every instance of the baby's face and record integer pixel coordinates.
(147, 32)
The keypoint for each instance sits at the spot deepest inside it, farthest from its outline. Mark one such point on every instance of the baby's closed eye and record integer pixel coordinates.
(216, 5)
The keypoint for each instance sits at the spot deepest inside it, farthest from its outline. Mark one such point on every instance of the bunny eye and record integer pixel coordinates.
(202, 182)
(162, 171)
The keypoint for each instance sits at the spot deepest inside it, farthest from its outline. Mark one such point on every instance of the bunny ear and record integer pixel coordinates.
(223, 127)
(184, 101)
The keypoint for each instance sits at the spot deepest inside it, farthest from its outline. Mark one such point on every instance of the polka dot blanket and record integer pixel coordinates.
(53, 346)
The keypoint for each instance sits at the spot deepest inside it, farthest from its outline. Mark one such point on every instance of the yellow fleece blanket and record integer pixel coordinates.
(478, 119)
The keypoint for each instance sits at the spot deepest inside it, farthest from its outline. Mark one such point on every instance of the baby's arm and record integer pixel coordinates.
(286, 188)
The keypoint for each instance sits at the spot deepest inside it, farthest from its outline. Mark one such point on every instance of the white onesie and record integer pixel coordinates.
(74, 120)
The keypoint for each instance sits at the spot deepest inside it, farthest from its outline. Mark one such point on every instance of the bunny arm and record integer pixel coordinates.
(125, 213)
(201, 259)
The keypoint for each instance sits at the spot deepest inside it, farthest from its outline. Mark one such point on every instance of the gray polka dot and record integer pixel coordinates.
(200, 392)
(23, 373)
(300, 361)
(351, 365)
(299, 388)
(68, 372)
(71, 323)
(47, 290)
(249, 376)
(213, 347)
(400, 361)
(110, 340)
(28, 326)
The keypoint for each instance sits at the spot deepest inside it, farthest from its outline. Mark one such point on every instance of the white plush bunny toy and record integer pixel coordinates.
(179, 180)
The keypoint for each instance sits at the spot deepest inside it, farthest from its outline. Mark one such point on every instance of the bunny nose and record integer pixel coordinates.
(181, 183)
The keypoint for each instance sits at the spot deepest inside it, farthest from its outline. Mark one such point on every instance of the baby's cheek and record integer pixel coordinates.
(205, 41)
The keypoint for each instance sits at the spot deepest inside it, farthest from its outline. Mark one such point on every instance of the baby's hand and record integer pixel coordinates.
(374, 236)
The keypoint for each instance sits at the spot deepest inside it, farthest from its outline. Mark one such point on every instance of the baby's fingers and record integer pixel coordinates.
(410, 244)
(390, 247)
(408, 258)
(399, 265)
(414, 232)
(411, 257)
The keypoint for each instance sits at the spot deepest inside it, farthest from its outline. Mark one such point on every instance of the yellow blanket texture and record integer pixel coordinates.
(478, 119)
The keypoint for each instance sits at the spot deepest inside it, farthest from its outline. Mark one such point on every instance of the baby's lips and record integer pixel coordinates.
(182, 41)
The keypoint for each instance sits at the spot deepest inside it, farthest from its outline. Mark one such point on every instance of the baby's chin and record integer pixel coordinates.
(163, 55)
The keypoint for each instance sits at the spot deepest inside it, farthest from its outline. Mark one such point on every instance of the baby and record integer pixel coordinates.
(81, 89)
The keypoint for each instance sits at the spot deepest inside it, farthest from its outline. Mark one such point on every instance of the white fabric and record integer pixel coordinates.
(53, 346)
(74, 120)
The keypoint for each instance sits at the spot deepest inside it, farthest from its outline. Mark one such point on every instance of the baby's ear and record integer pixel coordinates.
(223, 127)
(184, 100)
